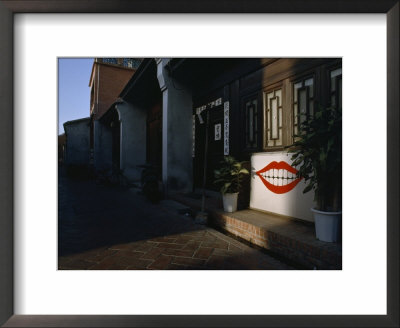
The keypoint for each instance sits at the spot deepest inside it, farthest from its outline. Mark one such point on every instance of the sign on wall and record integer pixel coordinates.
(226, 128)
(194, 136)
(217, 131)
(210, 105)
(279, 177)
(276, 188)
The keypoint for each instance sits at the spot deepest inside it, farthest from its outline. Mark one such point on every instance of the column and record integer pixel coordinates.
(177, 132)
(102, 152)
(133, 139)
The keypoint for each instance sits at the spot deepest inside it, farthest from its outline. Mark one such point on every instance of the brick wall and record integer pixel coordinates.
(309, 255)
(110, 82)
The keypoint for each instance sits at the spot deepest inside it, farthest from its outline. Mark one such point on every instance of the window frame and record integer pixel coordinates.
(302, 77)
(321, 96)
(268, 89)
(259, 133)
(328, 71)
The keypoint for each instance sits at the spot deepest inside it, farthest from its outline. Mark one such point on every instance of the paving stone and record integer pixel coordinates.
(78, 264)
(216, 261)
(234, 248)
(140, 264)
(217, 244)
(169, 245)
(128, 246)
(162, 262)
(173, 266)
(143, 247)
(178, 252)
(100, 266)
(114, 229)
(153, 253)
(163, 239)
(118, 260)
(188, 261)
(183, 239)
(192, 245)
(62, 261)
(203, 253)
(129, 254)
(223, 252)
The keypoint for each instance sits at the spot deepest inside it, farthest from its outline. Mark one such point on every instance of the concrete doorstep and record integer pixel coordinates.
(287, 238)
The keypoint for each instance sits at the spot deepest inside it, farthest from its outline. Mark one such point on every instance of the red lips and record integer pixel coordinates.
(279, 166)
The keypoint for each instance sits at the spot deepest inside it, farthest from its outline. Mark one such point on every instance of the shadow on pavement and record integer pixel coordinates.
(92, 216)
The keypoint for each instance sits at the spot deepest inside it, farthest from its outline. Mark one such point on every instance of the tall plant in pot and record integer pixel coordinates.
(318, 154)
(229, 176)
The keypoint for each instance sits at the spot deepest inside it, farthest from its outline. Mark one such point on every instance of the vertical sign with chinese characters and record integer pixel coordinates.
(194, 136)
(226, 128)
(217, 131)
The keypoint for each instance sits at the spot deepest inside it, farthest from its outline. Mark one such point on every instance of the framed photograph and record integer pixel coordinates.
(360, 37)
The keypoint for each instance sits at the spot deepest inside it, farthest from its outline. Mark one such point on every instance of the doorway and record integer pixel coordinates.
(215, 147)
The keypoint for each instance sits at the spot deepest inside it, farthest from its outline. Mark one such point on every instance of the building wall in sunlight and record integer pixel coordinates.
(275, 187)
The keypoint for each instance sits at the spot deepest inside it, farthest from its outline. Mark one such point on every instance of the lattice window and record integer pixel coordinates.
(303, 101)
(336, 88)
(251, 123)
(273, 118)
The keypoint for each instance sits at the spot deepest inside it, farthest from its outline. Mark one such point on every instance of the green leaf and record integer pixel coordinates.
(225, 187)
(308, 188)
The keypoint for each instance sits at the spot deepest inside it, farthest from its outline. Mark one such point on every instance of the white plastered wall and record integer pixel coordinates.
(292, 203)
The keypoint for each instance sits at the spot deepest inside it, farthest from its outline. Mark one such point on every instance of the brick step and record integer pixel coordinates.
(286, 237)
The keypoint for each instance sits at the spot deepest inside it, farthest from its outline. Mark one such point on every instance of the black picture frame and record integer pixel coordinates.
(7, 10)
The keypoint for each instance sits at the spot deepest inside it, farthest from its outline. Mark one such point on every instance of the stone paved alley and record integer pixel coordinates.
(110, 228)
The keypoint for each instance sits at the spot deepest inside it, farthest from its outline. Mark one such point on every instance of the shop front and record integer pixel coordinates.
(265, 101)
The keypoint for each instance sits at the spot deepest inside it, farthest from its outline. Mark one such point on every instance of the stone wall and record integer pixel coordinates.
(77, 142)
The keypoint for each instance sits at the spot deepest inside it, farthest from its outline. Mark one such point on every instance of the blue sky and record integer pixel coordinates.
(73, 89)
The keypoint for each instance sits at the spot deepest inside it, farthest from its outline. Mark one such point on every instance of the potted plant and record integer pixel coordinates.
(229, 177)
(318, 154)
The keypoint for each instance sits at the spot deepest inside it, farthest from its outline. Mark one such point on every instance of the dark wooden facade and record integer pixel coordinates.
(263, 96)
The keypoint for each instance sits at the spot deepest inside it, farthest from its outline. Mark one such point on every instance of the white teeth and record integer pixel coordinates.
(279, 177)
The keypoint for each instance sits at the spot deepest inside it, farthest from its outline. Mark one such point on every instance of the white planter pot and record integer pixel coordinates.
(230, 202)
(327, 225)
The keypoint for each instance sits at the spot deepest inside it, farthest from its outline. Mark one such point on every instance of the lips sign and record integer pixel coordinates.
(279, 177)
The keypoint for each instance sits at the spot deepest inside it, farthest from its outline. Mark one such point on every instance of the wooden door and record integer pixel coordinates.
(215, 147)
(154, 136)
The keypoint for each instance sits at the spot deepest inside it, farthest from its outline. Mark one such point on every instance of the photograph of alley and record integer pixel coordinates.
(199, 163)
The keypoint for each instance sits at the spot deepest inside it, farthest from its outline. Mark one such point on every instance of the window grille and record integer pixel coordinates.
(303, 101)
(251, 123)
(273, 116)
(336, 88)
